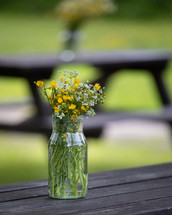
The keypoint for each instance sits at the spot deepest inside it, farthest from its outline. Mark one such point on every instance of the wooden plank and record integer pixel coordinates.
(123, 194)
(97, 192)
(48, 206)
(152, 207)
(22, 185)
(24, 194)
(130, 175)
(107, 178)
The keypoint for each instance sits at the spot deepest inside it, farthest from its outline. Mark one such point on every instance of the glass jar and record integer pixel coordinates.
(67, 159)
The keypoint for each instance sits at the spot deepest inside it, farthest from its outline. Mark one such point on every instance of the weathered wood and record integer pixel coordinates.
(145, 190)
(45, 205)
(152, 207)
(94, 192)
(21, 186)
(118, 177)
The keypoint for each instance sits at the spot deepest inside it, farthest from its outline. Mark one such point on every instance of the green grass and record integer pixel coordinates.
(25, 34)
(24, 157)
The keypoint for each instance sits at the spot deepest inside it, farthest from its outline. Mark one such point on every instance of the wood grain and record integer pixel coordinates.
(136, 191)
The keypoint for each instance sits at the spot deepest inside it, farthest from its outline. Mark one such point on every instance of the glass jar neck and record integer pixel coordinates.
(66, 125)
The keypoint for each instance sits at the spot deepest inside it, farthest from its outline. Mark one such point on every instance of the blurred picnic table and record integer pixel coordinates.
(35, 67)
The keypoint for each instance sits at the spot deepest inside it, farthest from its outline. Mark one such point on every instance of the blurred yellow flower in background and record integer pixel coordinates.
(78, 10)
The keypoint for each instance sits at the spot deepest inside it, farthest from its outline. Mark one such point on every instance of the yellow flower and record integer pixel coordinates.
(83, 108)
(76, 111)
(63, 103)
(62, 91)
(65, 92)
(62, 79)
(65, 97)
(58, 95)
(64, 135)
(102, 102)
(73, 117)
(39, 83)
(75, 86)
(97, 86)
(49, 97)
(69, 98)
(70, 88)
(56, 109)
(53, 84)
(77, 81)
(59, 100)
(72, 106)
(87, 106)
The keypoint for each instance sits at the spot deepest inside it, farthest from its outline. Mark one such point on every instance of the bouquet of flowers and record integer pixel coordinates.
(69, 99)
(76, 10)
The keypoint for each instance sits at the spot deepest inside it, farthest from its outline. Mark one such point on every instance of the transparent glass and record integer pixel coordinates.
(67, 159)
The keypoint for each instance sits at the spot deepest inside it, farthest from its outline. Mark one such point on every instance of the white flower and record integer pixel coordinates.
(87, 86)
(78, 98)
(85, 95)
(94, 97)
(81, 84)
(84, 103)
(91, 103)
(79, 93)
(62, 115)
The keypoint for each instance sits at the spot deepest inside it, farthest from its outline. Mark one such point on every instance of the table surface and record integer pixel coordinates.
(137, 191)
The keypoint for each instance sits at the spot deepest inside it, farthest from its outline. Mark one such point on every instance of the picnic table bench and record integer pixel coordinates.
(136, 191)
(37, 67)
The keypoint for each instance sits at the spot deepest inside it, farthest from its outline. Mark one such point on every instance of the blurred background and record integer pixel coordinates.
(34, 27)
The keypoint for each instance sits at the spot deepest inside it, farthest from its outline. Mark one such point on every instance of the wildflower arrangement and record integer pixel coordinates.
(76, 10)
(68, 97)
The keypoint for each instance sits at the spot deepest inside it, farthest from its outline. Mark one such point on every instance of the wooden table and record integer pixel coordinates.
(137, 191)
